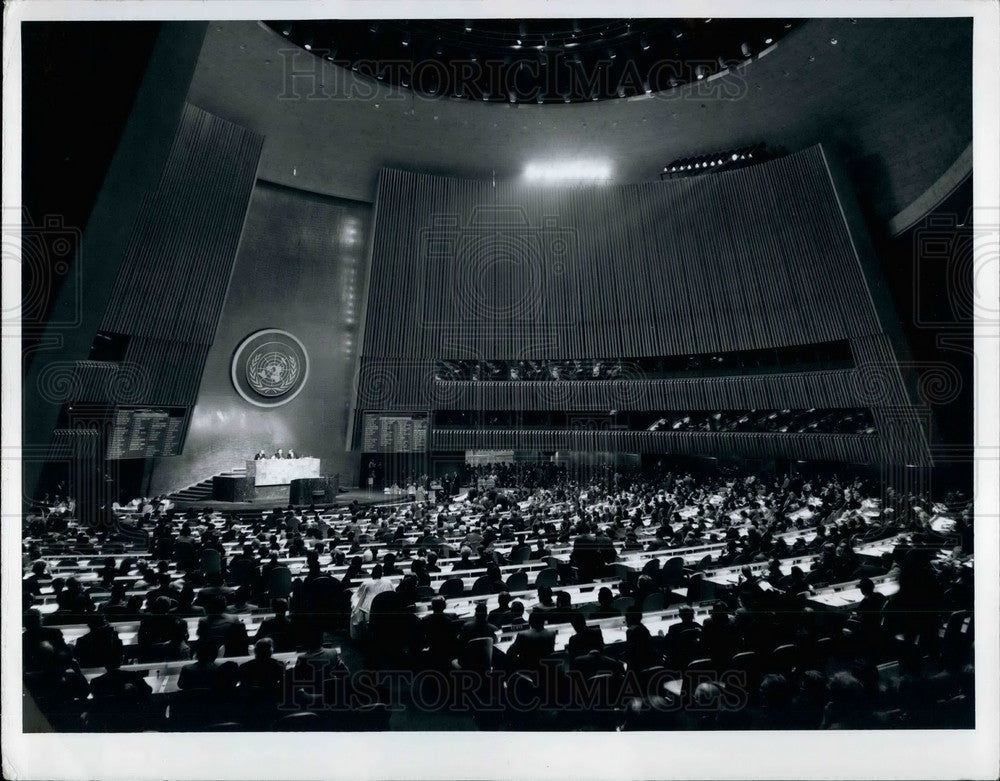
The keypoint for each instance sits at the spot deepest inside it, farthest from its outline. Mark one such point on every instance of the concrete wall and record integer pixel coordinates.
(299, 268)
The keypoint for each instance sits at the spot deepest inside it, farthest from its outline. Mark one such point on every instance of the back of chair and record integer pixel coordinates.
(520, 554)
(651, 567)
(785, 658)
(320, 594)
(653, 601)
(547, 577)
(302, 721)
(746, 662)
(672, 572)
(425, 593)
(184, 554)
(518, 581)
(240, 572)
(477, 655)
(623, 603)
(210, 561)
(696, 589)
(686, 646)
(703, 664)
(453, 587)
(279, 583)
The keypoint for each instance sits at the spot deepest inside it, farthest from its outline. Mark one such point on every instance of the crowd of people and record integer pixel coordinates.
(368, 608)
(261, 455)
(802, 421)
(827, 355)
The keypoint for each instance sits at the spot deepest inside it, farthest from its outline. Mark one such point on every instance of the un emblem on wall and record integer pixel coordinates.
(270, 367)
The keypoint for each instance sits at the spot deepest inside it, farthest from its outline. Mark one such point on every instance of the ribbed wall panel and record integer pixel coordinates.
(754, 258)
(902, 425)
(177, 266)
(750, 259)
(172, 286)
(832, 447)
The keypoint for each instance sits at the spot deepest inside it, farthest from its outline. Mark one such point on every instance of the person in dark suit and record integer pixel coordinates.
(564, 610)
(592, 553)
(116, 608)
(162, 636)
(584, 638)
(541, 552)
(869, 611)
(718, 633)
(263, 672)
(118, 683)
(100, 645)
(532, 645)
(594, 662)
(221, 629)
(605, 605)
(439, 632)
(34, 635)
(278, 628)
(478, 626)
(205, 671)
(673, 641)
(546, 606)
(319, 676)
(500, 616)
(640, 652)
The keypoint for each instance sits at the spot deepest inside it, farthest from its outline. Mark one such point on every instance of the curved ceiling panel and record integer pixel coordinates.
(536, 60)
(891, 98)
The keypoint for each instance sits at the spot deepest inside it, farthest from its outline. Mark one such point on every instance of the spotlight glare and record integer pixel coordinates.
(567, 171)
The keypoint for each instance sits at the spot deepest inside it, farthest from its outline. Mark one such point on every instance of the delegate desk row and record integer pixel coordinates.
(627, 565)
(581, 595)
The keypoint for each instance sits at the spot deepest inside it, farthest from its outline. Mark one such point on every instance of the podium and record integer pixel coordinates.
(278, 480)
(281, 471)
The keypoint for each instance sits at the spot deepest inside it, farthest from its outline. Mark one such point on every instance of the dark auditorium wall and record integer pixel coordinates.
(757, 258)
(134, 174)
(748, 259)
(300, 269)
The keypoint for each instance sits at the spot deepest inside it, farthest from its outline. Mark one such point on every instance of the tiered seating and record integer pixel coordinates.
(756, 562)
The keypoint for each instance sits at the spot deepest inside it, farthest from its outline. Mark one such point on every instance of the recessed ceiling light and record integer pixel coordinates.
(833, 41)
(568, 171)
(769, 41)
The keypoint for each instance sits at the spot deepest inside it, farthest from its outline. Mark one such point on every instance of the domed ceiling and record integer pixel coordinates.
(537, 60)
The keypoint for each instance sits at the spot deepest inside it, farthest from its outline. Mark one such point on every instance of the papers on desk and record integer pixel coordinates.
(942, 524)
